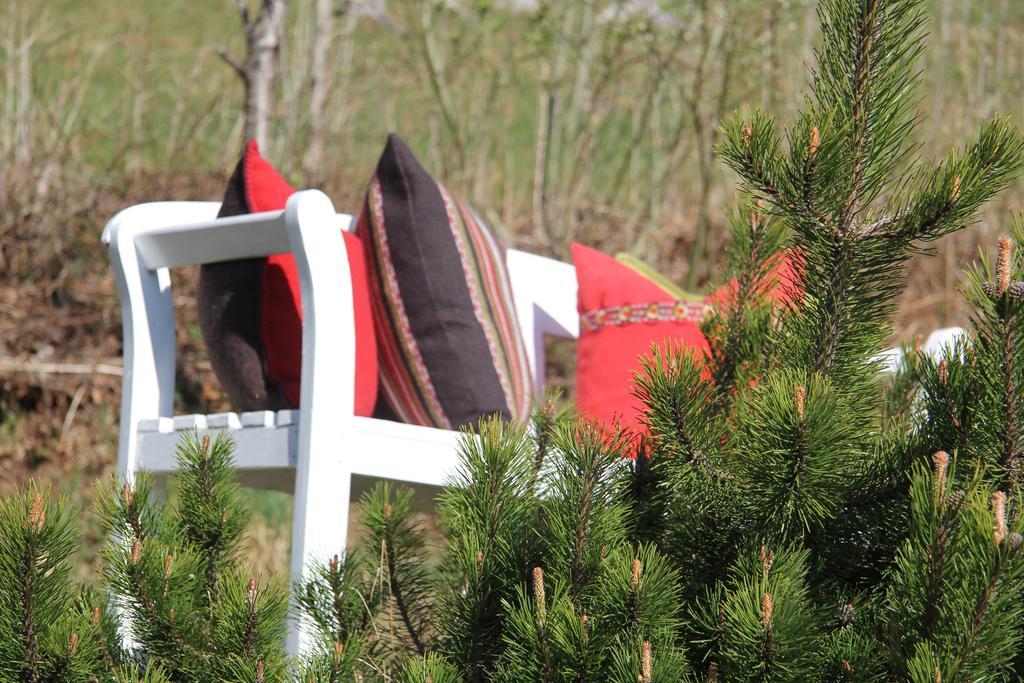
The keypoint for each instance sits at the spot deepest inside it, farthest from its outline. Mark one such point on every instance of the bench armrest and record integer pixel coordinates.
(148, 239)
(544, 291)
(174, 234)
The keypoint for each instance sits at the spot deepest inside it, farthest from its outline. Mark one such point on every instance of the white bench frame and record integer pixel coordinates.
(311, 452)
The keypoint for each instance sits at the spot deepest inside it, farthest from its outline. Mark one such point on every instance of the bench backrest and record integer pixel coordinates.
(147, 240)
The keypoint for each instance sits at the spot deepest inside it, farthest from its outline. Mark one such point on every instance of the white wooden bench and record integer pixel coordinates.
(313, 452)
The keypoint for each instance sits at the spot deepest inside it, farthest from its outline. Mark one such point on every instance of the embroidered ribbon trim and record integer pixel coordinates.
(643, 313)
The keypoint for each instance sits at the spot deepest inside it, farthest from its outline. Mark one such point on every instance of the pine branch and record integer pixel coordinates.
(141, 595)
(488, 512)
(341, 621)
(336, 599)
(546, 416)
(395, 586)
(30, 557)
(799, 453)
(391, 528)
(213, 514)
(862, 66)
(1011, 451)
(249, 630)
(936, 558)
(546, 666)
(580, 575)
(583, 518)
(996, 366)
(37, 615)
(735, 331)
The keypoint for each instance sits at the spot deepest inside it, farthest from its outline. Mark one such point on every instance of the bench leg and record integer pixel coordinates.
(319, 531)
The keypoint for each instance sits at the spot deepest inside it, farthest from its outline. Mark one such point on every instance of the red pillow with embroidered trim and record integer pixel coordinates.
(625, 308)
(250, 310)
(622, 313)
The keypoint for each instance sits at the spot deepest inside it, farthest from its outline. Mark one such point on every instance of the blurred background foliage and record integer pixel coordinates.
(587, 120)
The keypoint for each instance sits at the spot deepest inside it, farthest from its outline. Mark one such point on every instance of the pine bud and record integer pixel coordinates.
(645, 662)
(999, 513)
(73, 645)
(604, 550)
(585, 623)
(206, 446)
(260, 671)
(846, 615)
(127, 495)
(634, 574)
(767, 610)
(767, 558)
(167, 571)
(37, 514)
(940, 460)
(846, 667)
(748, 134)
(801, 394)
(1003, 272)
(943, 372)
(339, 650)
(938, 675)
(815, 140)
(250, 594)
(334, 563)
(170, 615)
(387, 509)
(955, 194)
(96, 616)
(752, 217)
(479, 561)
(712, 673)
(136, 552)
(538, 594)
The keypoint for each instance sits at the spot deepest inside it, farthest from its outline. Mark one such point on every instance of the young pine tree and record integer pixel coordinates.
(175, 577)
(781, 463)
(45, 634)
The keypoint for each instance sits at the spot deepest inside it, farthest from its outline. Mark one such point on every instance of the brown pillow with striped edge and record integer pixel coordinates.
(448, 340)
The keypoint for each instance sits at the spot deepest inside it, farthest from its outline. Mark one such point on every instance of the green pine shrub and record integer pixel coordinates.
(792, 513)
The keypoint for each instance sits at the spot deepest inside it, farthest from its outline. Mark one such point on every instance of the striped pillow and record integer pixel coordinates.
(449, 346)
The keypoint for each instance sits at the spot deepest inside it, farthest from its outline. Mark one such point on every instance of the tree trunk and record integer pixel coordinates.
(323, 34)
(263, 38)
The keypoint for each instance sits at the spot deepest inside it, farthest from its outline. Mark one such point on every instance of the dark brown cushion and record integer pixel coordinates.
(448, 340)
(250, 311)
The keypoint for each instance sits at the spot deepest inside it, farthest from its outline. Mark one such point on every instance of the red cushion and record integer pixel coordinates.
(281, 298)
(622, 314)
(608, 349)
